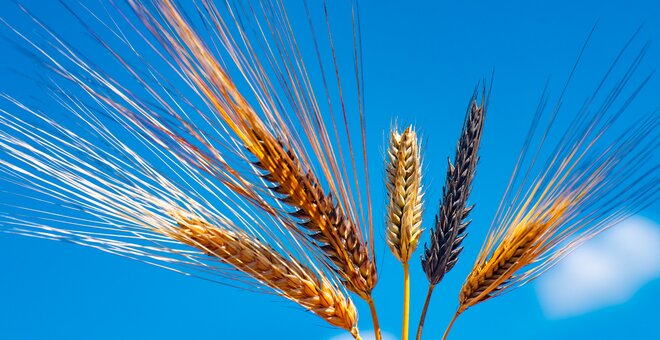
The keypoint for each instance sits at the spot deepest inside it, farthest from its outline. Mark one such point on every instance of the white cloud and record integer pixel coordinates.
(604, 271)
(368, 335)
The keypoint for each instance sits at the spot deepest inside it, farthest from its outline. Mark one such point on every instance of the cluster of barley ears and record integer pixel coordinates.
(247, 172)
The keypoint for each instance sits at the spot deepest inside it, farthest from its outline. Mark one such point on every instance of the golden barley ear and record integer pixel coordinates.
(284, 275)
(520, 247)
(404, 194)
(404, 209)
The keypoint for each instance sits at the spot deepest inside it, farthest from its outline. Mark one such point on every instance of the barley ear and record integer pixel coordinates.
(404, 194)
(286, 276)
(450, 222)
(404, 209)
(321, 220)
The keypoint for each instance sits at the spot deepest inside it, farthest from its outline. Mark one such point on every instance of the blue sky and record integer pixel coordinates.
(422, 61)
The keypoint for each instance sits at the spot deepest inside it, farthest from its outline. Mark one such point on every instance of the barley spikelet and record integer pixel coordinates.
(287, 277)
(324, 220)
(404, 192)
(450, 222)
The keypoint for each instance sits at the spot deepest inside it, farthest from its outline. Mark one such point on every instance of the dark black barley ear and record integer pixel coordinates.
(450, 223)
(449, 230)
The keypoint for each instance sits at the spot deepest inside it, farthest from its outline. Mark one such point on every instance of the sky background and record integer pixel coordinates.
(422, 62)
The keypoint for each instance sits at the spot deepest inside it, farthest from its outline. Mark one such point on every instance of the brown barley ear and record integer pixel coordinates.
(322, 219)
(404, 194)
(449, 230)
(284, 275)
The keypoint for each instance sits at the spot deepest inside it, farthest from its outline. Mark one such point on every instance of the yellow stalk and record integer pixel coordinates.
(406, 301)
(374, 317)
